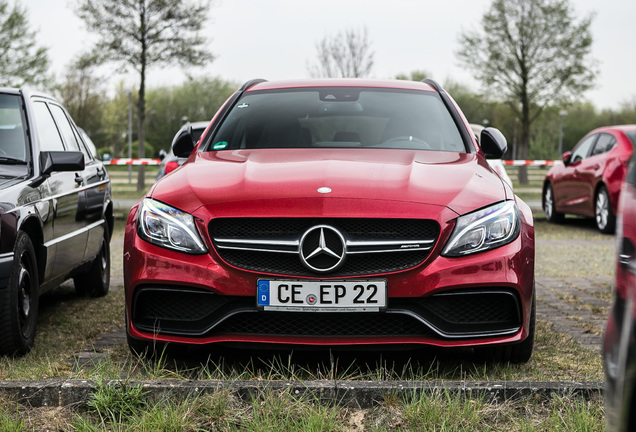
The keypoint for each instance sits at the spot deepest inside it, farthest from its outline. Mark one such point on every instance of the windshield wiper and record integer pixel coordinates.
(11, 161)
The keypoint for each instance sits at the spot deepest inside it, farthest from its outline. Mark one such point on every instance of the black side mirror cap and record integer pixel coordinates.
(53, 161)
(183, 142)
(493, 143)
(61, 161)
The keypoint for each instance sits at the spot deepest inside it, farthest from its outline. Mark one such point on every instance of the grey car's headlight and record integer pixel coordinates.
(484, 229)
(168, 227)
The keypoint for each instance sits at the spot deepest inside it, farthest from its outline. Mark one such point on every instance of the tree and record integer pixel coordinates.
(346, 55)
(197, 99)
(145, 33)
(21, 61)
(531, 53)
(83, 97)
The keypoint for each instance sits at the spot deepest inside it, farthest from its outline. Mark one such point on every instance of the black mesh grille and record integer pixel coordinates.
(352, 229)
(323, 324)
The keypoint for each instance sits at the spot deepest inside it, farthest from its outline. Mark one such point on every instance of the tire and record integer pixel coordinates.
(517, 353)
(603, 214)
(19, 300)
(549, 205)
(96, 281)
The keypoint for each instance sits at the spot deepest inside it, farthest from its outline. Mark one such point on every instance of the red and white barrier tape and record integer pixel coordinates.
(122, 161)
(530, 162)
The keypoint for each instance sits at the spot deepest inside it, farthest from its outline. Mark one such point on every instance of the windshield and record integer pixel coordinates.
(339, 118)
(12, 137)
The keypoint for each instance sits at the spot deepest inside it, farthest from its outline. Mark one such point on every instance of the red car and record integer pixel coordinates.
(619, 347)
(335, 213)
(588, 183)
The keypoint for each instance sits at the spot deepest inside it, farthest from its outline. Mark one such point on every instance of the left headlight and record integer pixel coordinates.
(484, 229)
(168, 227)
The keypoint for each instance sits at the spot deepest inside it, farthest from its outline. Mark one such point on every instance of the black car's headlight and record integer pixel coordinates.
(168, 227)
(484, 229)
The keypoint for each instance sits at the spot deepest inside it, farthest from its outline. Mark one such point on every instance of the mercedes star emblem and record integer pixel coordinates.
(322, 248)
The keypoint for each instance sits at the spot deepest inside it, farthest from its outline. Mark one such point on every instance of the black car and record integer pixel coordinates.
(56, 214)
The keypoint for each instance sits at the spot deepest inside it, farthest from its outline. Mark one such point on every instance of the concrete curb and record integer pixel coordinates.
(360, 394)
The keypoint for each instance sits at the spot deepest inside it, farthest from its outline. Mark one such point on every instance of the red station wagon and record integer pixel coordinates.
(333, 213)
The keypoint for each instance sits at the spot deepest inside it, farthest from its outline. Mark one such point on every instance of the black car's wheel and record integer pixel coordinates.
(517, 353)
(96, 281)
(603, 214)
(19, 301)
(549, 205)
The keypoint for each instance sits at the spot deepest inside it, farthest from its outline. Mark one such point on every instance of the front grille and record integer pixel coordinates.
(462, 314)
(323, 325)
(271, 245)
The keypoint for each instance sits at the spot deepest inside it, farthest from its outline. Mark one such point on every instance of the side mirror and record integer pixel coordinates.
(53, 161)
(183, 142)
(566, 157)
(493, 143)
(61, 161)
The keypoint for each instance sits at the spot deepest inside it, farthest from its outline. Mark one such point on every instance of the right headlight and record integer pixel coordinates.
(168, 227)
(484, 229)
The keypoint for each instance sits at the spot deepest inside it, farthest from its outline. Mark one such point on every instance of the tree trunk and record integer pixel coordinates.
(141, 178)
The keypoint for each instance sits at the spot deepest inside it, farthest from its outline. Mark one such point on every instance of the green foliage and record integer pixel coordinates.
(21, 61)
(115, 402)
(170, 107)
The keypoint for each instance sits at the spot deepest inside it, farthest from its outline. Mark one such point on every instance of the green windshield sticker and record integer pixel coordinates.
(220, 145)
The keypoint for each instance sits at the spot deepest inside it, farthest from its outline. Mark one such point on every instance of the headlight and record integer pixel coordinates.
(483, 230)
(168, 227)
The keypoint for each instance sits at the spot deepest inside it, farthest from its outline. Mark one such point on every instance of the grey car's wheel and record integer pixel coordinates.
(96, 281)
(603, 214)
(19, 301)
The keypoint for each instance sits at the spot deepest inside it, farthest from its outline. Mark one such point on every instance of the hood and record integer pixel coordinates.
(461, 182)
(7, 181)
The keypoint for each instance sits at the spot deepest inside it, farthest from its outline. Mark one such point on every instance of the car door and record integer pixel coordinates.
(92, 183)
(66, 247)
(567, 190)
(590, 170)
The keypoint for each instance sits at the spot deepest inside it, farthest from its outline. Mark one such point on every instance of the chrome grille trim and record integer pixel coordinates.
(353, 247)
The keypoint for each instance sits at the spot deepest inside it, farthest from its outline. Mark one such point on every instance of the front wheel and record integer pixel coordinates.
(19, 300)
(603, 214)
(96, 281)
(549, 205)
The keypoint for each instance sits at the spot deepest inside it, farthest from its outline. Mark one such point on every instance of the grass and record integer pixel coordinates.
(285, 411)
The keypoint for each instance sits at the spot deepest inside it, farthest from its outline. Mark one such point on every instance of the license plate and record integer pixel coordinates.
(322, 296)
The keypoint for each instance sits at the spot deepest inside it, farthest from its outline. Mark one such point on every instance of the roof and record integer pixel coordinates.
(342, 82)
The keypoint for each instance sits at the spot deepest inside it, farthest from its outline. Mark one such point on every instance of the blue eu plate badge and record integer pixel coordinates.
(263, 293)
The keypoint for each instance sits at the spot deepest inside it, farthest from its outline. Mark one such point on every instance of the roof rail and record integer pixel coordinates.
(433, 84)
(251, 83)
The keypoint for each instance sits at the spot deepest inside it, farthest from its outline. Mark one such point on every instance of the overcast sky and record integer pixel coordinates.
(276, 39)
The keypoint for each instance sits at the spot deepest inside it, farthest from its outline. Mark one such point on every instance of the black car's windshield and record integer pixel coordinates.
(12, 137)
(339, 118)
